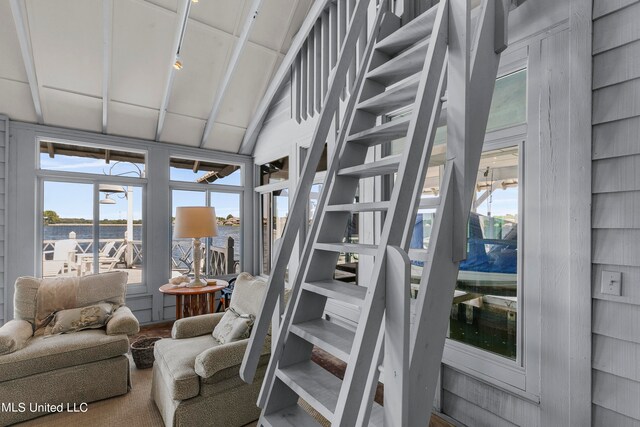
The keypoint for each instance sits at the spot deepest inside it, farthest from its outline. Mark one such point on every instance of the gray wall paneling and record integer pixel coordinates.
(4, 170)
(615, 214)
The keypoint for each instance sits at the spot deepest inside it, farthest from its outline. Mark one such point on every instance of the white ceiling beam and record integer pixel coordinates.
(251, 135)
(107, 23)
(18, 11)
(231, 68)
(183, 18)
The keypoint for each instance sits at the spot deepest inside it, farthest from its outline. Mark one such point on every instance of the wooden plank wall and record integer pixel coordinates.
(615, 212)
(4, 130)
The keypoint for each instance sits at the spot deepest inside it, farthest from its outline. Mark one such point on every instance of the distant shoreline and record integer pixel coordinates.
(89, 223)
(113, 225)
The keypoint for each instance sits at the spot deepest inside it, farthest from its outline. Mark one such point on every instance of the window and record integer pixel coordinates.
(204, 172)
(91, 224)
(486, 315)
(274, 208)
(509, 103)
(200, 183)
(275, 171)
(66, 157)
(485, 309)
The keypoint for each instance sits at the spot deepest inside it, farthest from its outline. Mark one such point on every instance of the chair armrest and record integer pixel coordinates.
(195, 326)
(14, 335)
(123, 322)
(224, 356)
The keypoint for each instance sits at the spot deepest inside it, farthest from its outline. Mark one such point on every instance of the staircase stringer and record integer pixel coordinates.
(380, 28)
(402, 198)
(275, 284)
(438, 283)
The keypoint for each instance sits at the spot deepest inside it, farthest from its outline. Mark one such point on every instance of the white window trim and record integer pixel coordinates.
(207, 189)
(259, 191)
(43, 175)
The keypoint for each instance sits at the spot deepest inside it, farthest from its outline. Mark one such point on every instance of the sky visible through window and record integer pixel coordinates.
(75, 200)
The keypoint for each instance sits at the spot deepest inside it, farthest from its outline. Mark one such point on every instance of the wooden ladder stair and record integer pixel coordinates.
(403, 68)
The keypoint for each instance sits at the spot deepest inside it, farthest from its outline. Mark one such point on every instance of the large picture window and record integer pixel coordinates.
(92, 211)
(485, 309)
(206, 183)
(486, 314)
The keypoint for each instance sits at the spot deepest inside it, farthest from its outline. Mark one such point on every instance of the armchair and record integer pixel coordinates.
(82, 366)
(196, 379)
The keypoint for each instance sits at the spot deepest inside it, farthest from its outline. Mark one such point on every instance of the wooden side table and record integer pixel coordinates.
(194, 301)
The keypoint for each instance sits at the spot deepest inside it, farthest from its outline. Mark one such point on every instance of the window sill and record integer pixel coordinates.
(495, 370)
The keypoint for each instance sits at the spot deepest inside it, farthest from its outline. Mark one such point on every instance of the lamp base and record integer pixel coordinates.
(197, 283)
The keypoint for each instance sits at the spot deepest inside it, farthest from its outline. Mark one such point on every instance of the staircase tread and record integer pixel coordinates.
(409, 34)
(400, 95)
(293, 416)
(359, 207)
(383, 133)
(401, 66)
(330, 337)
(387, 165)
(317, 386)
(358, 248)
(335, 289)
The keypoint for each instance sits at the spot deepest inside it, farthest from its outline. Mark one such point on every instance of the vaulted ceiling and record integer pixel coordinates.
(81, 49)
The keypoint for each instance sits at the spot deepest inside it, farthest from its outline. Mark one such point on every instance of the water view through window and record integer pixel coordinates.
(222, 252)
(70, 244)
(485, 309)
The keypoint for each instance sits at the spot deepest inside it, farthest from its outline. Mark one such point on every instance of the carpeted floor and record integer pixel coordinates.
(136, 409)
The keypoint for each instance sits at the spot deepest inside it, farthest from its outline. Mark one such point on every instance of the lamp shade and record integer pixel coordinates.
(195, 222)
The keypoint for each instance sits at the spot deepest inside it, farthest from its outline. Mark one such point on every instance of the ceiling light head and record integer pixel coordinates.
(107, 201)
(195, 1)
(178, 64)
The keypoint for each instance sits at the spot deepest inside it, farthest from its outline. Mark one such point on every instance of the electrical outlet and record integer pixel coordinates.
(611, 283)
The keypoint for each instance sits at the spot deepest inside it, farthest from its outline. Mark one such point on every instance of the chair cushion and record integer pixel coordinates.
(44, 354)
(176, 361)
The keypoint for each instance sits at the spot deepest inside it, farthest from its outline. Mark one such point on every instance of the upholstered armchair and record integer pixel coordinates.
(196, 378)
(39, 363)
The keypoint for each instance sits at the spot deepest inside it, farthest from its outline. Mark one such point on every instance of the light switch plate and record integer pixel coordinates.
(611, 283)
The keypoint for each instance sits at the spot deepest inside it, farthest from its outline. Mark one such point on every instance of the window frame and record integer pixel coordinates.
(208, 189)
(242, 169)
(47, 175)
(518, 376)
(482, 363)
(260, 192)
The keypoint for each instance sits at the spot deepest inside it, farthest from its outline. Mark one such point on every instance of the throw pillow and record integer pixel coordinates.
(233, 326)
(248, 292)
(14, 335)
(77, 319)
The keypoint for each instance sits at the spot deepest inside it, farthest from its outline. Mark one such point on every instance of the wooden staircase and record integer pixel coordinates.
(404, 68)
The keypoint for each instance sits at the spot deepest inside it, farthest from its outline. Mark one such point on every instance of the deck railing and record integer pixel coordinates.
(220, 259)
(85, 246)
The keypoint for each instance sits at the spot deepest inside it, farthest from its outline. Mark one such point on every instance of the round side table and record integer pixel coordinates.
(194, 301)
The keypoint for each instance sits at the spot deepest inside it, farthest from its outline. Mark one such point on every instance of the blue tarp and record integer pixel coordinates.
(484, 255)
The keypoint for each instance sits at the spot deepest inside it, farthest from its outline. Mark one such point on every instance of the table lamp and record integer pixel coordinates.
(195, 222)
